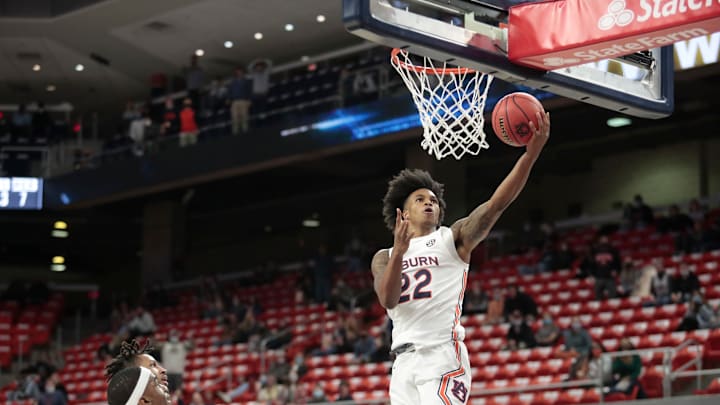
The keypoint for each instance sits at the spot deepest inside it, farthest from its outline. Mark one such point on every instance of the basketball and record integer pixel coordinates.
(511, 118)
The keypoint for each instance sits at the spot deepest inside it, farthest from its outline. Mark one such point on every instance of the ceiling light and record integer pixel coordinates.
(79, 67)
(60, 225)
(36, 67)
(199, 52)
(305, 58)
(50, 88)
(228, 44)
(57, 267)
(617, 122)
(320, 18)
(289, 27)
(58, 260)
(311, 223)
(58, 233)
(258, 35)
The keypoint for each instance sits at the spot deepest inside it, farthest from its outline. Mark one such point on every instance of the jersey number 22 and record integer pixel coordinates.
(422, 279)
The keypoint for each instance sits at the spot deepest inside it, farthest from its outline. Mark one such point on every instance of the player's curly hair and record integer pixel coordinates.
(129, 352)
(402, 185)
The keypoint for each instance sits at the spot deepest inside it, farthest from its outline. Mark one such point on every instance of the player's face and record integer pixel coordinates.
(149, 362)
(155, 393)
(422, 207)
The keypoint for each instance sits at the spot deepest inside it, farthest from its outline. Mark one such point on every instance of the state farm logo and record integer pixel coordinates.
(617, 15)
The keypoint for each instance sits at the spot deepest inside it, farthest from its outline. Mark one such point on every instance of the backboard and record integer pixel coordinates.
(474, 34)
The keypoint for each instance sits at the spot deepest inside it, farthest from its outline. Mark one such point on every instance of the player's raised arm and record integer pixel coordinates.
(387, 268)
(471, 230)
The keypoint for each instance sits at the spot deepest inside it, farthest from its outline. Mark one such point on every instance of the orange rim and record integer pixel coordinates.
(423, 69)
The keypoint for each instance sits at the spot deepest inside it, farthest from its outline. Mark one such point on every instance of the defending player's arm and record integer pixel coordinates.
(387, 268)
(471, 230)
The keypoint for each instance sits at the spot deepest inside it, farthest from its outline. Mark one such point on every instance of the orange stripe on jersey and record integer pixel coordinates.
(446, 377)
(458, 309)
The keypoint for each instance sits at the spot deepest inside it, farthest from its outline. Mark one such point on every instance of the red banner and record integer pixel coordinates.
(554, 34)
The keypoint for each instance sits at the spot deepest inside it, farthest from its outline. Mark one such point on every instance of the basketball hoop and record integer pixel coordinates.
(450, 103)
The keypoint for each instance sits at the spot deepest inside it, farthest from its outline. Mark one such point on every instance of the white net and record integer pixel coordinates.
(450, 102)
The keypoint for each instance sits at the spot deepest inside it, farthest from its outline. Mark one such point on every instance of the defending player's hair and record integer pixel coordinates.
(129, 353)
(122, 384)
(404, 184)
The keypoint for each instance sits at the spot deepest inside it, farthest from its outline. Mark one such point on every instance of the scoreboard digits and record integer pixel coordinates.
(21, 193)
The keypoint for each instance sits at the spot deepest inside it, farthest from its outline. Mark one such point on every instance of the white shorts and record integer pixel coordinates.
(438, 375)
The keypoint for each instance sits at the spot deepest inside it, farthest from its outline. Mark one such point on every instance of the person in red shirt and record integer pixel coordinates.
(188, 125)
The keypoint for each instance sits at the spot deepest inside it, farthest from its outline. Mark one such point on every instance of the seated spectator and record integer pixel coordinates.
(496, 308)
(342, 297)
(344, 393)
(585, 266)
(685, 284)
(661, 284)
(638, 215)
(318, 394)
(699, 315)
(626, 371)
(591, 367)
(548, 333)
(364, 346)
(298, 368)
(279, 337)
(174, 357)
(197, 399)
(605, 267)
(577, 340)
(53, 391)
(271, 391)
(280, 369)
(629, 278)
(242, 387)
(382, 349)
(27, 387)
(518, 300)
(327, 346)
(676, 222)
(476, 301)
(143, 324)
(520, 334)
(564, 257)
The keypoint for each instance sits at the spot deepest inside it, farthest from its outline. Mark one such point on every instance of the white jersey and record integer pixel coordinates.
(433, 284)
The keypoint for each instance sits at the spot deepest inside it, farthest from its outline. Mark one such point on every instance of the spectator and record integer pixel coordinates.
(240, 93)
(242, 387)
(638, 215)
(518, 300)
(342, 297)
(217, 97)
(170, 124)
(197, 399)
(188, 125)
(298, 368)
(279, 337)
(685, 284)
(260, 73)
(271, 391)
(605, 267)
(548, 333)
(344, 393)
(174, 357)
(661, 284)
(520, 335)
(318, 394)
(696, 211)
(476, 301)
(142, 324)
(41, 121)
(27, 387)
(675, 222)
(626, 370)
(591, 367)
(364, 346)
(496, 308)
(564, 257)
(194, 80)
(382, 349)
(577, 339)
(137, 133)
(22, 120)
(355, 251)
(53, 392)
(327, 346)
(699, 315)
(629, 278)
(280, 368)
(322, 274)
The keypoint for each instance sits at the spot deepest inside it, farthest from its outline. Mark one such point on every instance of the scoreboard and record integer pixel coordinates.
(21, 193)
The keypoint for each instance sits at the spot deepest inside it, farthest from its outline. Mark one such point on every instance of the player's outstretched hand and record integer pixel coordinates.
(402, 234)
(540, 135)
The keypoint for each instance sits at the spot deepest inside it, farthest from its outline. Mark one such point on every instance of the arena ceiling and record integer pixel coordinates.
(121, 42)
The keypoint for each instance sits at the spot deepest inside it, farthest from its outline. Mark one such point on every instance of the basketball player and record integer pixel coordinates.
(136, 386)
(133, 355)
(421, 279)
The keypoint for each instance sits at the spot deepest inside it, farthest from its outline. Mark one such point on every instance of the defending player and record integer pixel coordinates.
(136, 386)
(421, 279)
(132, 355)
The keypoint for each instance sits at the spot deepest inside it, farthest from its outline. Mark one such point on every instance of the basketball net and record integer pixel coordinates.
(450, 103)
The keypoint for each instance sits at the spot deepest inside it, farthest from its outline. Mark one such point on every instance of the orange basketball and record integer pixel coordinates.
(511, 118)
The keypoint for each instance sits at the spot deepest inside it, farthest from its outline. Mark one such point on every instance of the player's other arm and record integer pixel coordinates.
(471, 230)
(387, 268)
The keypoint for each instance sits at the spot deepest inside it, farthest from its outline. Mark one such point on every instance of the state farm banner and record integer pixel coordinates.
(555, 34)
